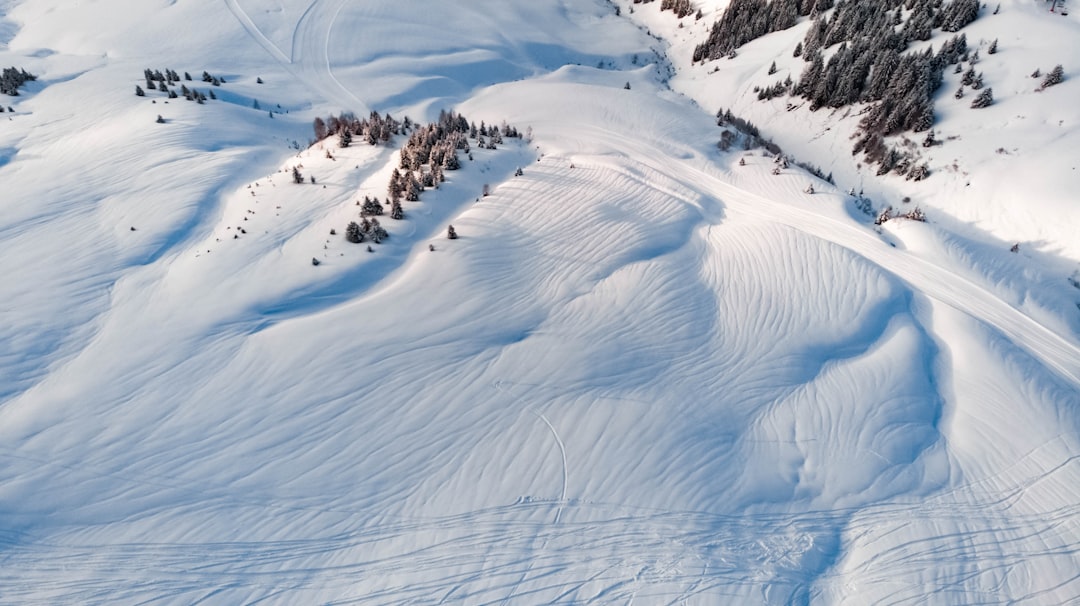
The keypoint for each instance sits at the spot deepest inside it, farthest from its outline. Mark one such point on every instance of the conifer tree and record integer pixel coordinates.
(985, 99)
(1056, 76)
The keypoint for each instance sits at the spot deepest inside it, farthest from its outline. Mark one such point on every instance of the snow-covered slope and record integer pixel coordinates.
(644, 373)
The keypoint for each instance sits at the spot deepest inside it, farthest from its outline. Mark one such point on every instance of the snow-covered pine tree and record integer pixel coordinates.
(985, 99)
(1056, 76)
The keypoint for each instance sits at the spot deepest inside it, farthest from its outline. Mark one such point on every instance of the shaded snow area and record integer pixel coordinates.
(645, 373)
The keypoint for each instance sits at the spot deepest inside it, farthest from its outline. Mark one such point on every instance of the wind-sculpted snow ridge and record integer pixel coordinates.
(644, 372)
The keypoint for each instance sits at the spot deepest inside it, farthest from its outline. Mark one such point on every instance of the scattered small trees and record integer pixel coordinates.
(139, 91)
(451, 233)
(297, 176)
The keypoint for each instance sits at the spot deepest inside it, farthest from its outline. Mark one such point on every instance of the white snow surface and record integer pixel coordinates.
(644, 374)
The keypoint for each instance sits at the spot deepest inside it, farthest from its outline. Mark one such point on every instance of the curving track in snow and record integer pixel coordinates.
(308, 59)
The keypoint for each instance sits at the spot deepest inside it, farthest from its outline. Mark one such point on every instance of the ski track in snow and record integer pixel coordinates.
(309, 56)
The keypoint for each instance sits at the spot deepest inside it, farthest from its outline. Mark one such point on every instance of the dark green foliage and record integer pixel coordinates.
(985, 99)
(378, 234)
(747, 20)
(870, 65)
(396, 186)
(1056, 76)
(353, 233)
(11, 79)
(371, 206)
(681, 8)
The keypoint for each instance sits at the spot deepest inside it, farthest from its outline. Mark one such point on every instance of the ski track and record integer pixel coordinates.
(490, 556)
(309, 58)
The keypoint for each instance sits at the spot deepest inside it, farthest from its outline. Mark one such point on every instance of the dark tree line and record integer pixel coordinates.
(374, 129)
(869, 63)
(681, 8)
(11, 79)
(161, 81)
(747, 20)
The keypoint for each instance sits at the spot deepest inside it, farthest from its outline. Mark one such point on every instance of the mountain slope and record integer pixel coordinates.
(644, 373)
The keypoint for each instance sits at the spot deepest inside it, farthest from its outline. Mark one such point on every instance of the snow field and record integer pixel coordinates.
(643, 373)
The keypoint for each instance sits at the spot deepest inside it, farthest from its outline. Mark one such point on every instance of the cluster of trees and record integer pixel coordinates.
(366, 229)
(11, 79)
(428, 153)
(433, 149)
(747, 20)
(374, 129)
(871, 66)
(373, 207)
(1056, 76)
(916, 214)
(156, 80)
(776, 90)
(681, 8)
(744, 129)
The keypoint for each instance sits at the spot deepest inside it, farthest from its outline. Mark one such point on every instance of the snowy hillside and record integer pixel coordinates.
(648, 371)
